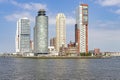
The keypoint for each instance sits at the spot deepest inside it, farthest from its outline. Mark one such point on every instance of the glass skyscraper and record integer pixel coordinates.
(23, 35)
(41, 33)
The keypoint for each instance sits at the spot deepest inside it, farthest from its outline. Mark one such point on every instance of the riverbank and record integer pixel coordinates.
(59, 69)
(63, 57)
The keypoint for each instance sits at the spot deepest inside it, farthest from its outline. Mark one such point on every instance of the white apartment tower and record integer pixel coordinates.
(60, 31)
(82, 24)
(22, 39)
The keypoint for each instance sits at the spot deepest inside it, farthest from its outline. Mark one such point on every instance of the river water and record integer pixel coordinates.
(59, 69)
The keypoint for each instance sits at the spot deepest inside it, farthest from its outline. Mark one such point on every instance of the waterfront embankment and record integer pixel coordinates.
(63, 57)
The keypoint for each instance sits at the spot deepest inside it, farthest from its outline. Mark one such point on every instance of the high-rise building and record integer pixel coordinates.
(82, 25)
(23, 35)
(41, 33)
(60, 31)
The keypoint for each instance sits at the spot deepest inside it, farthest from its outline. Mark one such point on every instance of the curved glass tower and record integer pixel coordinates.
(41, 33)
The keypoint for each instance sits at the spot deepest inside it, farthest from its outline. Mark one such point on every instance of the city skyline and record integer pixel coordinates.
(103, 27)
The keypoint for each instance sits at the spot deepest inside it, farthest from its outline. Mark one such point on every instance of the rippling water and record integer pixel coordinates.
(58, 69)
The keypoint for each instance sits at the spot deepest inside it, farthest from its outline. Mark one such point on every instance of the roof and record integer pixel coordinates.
(84, 4)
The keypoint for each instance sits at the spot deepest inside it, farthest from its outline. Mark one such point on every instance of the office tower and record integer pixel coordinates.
(23, 35)
(41, 33)
(82, 24)
(60, 31)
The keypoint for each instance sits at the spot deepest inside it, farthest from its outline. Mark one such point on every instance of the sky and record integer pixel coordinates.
(104, 21)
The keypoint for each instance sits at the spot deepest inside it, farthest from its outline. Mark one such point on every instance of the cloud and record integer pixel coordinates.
(1, 1)
(69, 20)
(106, 40)
(27, 10)
(108, 2)
(110, 25)
(30, 6)
(117, 11)
(16, 16)
(104, 34)
(52, 19)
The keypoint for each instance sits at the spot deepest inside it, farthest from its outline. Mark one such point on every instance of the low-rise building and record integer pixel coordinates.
(52, 51)
(97, 51)
(71, 50)
(112, 53)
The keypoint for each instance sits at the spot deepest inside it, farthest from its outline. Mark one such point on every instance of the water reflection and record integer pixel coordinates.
(58, 69)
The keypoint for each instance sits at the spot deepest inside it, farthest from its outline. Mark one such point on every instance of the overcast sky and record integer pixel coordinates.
(104, 20)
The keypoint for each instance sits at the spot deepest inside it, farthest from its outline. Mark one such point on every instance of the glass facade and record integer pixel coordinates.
(24, 43)
(41, 34)
(25, 29)
(23, 32)
(85, 14)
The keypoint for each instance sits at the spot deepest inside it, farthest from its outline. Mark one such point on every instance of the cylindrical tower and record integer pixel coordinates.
(41, 33)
